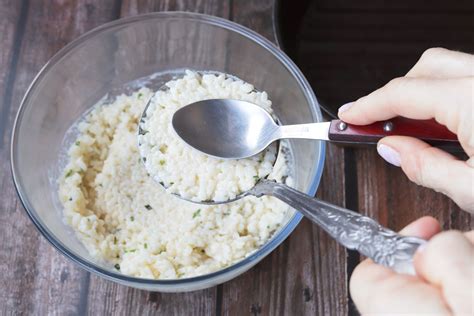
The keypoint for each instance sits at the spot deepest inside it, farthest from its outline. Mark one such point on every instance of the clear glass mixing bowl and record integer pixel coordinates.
(107, 60)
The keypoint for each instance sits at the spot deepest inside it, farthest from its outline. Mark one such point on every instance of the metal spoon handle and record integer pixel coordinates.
(349, 228)
(429, 131)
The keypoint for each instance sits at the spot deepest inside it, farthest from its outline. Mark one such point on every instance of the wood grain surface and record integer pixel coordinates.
(347, 49)
(307, 275)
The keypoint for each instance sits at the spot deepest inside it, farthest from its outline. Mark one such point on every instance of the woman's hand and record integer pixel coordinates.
(439, 86)
(444, 281)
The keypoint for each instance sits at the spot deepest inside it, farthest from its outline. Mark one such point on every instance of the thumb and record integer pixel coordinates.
(447, 261)
(431, 167)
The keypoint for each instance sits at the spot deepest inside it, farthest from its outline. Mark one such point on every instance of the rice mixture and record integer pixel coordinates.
(166, 155)
(125, 218)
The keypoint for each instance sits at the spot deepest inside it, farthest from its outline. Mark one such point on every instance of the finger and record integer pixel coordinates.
(447, 261)
(416, 98)
(376, 289)
(431, 167)
(443, 63)
(424, 228)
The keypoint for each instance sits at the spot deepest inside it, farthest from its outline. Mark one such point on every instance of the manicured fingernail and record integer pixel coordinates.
(345, 107)
(389, 154)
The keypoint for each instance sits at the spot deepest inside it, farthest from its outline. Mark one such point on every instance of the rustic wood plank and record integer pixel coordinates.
(256, 15)
(307, 274)
(107, 298)
(212, 7)
(51, 284)
(35, 278)
(12, 31)
(386, 194)
(356, 47)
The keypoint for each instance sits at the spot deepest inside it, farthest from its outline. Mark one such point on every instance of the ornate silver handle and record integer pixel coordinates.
(349, 228)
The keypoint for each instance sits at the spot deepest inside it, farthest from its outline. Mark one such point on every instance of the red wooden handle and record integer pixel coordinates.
(427, 130)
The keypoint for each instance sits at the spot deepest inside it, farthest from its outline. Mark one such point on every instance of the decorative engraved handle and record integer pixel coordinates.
(349, 228)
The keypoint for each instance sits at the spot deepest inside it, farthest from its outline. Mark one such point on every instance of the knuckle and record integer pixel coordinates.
(447, 236)
(445, 240)
(393, 90)
(432, 53)
(415, 168)
(463, 196)
(423, 172)
(396, 84)
(428, 60)
(420, 170)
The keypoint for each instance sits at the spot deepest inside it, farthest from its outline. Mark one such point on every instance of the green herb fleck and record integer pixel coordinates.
(162, 162)
(131, 250)
(115, 240)
(256, 178)
(140, 95)
(145, 246)
(70, 199)
(78, 143)
(117, 256)
(171, 183)
(117, 266)
(69, 173)
(163, 148)
(132, 218)
(148, 207)
(268, 226)
(196, 213)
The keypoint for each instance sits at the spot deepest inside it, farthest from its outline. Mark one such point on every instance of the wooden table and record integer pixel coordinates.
(307, 274)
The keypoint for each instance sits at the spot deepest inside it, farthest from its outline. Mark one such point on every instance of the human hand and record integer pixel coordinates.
(443, 284)
(439, 86)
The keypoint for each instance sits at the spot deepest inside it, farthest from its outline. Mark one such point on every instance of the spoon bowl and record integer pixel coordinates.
(224, 128)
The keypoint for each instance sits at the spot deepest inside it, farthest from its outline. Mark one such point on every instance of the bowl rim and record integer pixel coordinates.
(258, 254)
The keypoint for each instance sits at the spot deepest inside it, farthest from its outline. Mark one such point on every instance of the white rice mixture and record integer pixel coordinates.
(125, 218)
(166, 155)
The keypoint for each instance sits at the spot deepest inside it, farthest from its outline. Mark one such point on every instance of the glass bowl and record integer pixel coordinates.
(111, 59)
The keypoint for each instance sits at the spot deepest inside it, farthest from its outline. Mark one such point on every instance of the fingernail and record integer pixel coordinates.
(389, 154)
(345, 107)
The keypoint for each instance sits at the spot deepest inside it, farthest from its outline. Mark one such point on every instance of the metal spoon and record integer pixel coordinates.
(237, 129)
(348, 228)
